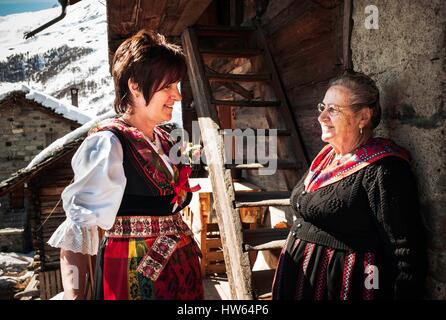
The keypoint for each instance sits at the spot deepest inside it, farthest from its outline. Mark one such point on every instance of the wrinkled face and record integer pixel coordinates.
(339, 124)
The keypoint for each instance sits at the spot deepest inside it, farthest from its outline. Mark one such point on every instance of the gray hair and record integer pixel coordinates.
(364, 93)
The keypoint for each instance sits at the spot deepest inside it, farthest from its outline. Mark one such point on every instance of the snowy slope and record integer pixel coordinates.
(72, 51)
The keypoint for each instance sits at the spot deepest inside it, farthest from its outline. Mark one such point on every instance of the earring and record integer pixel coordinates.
(360, 131)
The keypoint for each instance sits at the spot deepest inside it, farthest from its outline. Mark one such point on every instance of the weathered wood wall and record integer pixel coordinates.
(169, 17)
(306, 40)
(46, 192)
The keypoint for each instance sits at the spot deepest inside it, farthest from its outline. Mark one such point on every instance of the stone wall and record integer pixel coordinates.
(406, 56)
(26, 129)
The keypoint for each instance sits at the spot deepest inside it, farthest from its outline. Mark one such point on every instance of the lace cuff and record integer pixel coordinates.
(79, 239)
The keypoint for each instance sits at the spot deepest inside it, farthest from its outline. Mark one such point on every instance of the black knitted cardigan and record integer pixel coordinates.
(373, 210)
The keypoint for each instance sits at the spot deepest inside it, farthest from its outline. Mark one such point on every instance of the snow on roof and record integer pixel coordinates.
(60, 143)
(53, 151)
(67, 111)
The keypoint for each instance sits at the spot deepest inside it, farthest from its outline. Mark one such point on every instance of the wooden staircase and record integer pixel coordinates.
(237, 241)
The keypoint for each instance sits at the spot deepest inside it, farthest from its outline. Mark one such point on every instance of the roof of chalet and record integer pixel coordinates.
(168, 17)
(52, 153)
(52, 104)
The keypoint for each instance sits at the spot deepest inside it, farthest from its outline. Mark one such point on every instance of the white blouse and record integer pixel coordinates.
(94, 198)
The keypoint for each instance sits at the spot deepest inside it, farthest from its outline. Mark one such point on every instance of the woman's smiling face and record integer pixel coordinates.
(160, 107)
(339, 123)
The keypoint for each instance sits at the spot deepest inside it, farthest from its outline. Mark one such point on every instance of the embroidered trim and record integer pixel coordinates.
(153, 263)
(347, 276)
(320, 175)
(321, 282)
(369, 260)
(150, 162)
(309, 248)
(148, 226)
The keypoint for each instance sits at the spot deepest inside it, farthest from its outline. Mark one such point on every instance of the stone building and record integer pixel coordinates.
(29, 122)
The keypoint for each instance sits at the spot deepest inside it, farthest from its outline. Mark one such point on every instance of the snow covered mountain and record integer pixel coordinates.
(74, 51)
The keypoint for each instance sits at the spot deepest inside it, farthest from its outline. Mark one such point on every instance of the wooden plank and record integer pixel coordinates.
(235, 87)
(215, 268)
(274, 244)
(212, 227)
(249, 104)
(213, 243)
(51, 191)
(55, 209)
(42, 285)
(49, 198)
(230, 77)
(262, 198)
(238, 53)
(59, 281)
(346, 35)
(264, 203)
(189, 15)
(281, 165)
(204, 213)
(47, 286)
(53, 283)
(215, 256)
(224, 31)
(279, 132)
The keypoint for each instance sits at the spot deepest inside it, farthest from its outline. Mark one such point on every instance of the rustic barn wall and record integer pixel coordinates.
(45, 208)
(406, 56)
(306, 42)
(305, 39)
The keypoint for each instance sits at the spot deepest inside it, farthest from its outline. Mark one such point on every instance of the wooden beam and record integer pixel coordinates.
(190, 15)
(237, 262)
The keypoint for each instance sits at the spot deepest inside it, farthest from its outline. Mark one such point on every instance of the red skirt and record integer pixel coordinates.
(147, 258)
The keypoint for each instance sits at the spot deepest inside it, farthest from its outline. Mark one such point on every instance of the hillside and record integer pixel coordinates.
(73, 51)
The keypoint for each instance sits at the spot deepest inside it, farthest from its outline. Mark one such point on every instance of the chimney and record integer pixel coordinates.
(74, 96)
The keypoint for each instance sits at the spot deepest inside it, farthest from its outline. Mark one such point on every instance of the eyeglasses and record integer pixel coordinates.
(333, 109)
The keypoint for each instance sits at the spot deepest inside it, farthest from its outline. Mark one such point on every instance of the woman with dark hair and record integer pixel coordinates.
(358, 233)
(125, 183)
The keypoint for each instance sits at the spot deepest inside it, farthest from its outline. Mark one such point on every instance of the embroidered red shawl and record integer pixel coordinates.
(321, 174)
(153, 167)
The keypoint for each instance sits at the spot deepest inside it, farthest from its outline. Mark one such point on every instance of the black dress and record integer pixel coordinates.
(358, 238)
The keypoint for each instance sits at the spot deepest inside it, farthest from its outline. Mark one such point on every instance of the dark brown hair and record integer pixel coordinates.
(150, 61)
(364, 93)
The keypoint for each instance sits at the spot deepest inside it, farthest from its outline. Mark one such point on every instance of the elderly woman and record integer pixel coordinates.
(125, 183)
(358, 233)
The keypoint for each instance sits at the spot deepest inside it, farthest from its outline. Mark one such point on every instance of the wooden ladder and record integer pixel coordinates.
(237, 242)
